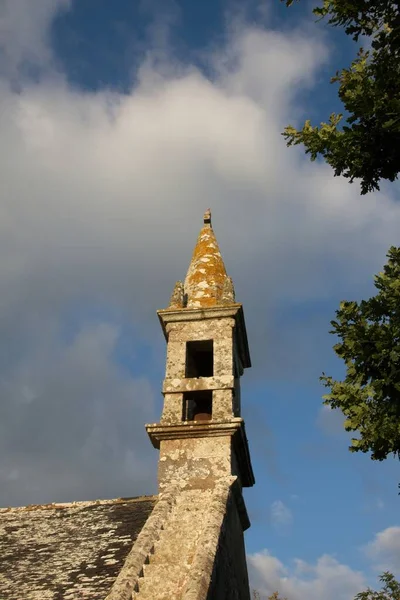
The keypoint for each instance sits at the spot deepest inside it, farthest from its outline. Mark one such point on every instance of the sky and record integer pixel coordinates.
(121, 123)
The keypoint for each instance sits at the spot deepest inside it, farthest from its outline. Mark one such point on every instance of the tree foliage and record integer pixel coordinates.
(365, 144)
(369, 344)
(389, 591)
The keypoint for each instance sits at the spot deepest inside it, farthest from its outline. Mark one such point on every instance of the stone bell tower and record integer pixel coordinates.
(201, 435)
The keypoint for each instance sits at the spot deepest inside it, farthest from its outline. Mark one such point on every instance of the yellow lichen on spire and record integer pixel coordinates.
(206, 277)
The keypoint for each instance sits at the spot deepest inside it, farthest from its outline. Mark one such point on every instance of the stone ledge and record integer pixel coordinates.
(190, 429)
(222, 382)
(167, 315)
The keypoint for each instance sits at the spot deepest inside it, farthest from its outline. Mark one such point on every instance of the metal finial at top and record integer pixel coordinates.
(207, 217)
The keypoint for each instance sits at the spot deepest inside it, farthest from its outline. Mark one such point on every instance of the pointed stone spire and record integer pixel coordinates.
(177, 297)
(205, 281)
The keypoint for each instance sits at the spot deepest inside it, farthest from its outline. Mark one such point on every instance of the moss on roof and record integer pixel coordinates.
(68, 551)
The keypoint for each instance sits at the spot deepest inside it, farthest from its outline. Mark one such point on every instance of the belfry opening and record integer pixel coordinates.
(200, 359)
(197, 406)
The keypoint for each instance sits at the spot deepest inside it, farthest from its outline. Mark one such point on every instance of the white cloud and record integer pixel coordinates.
(327, 578)
(24, 29)
(281, 515)
(93, 180)
(384, 550)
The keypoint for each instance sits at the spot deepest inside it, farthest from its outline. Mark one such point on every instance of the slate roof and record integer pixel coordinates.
(67, 551)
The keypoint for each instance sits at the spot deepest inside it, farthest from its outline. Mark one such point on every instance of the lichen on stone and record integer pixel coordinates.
(177, 297)
(228, 291)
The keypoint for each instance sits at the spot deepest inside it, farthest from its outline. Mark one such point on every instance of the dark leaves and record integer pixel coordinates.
(366, 145)
(369, 344)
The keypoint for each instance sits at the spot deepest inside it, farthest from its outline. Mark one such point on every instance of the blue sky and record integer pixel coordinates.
(122, 122)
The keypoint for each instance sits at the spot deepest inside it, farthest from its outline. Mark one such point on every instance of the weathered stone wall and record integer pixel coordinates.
(201, 545)
(128, 578)
(230, 579)
(201, 461)
(168, 571)
(221, 383)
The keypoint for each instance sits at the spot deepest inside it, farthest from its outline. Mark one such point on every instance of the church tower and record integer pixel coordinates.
(201, 434)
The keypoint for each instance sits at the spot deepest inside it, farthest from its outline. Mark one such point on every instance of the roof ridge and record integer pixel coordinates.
(76, 503)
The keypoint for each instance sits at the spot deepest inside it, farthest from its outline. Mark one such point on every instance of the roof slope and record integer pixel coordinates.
(67, 551)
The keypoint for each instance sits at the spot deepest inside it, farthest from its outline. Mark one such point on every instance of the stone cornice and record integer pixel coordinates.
(194, 429)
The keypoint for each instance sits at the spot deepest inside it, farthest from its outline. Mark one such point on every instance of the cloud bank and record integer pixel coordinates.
(101, 200)
(327, 578)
